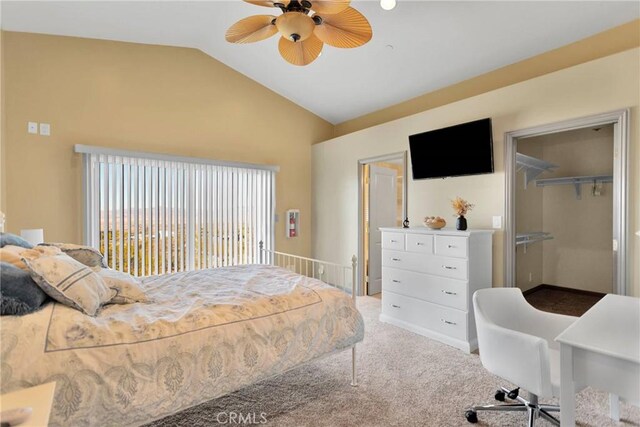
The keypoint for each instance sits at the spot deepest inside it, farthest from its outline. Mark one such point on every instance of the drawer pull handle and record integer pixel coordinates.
(395, 306)
(449, 292)
(395, 281)
(448, 322)
(448, 267)
(420, 244)
(396, 259)
(394, 241)
(451, 246)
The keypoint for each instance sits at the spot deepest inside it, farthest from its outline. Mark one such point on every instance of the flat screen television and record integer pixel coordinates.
(464, 149)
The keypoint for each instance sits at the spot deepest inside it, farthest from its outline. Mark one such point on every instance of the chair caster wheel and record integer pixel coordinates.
(513, 394)
(471, 416)
(500, 395)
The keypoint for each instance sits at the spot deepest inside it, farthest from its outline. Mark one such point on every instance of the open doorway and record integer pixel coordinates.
(382, 202)
(566, 211)
(564, 219)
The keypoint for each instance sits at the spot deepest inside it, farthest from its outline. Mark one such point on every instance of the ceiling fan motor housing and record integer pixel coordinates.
(295, 26)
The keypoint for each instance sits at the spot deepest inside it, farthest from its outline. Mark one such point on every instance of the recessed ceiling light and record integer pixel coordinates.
(387, 4)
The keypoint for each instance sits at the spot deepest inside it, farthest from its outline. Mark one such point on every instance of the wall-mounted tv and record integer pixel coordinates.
(464, 149)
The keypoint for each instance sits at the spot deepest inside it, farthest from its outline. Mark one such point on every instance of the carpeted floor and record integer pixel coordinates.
(405, 380)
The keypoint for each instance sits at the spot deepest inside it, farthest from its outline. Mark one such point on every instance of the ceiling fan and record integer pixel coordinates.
(305, 26)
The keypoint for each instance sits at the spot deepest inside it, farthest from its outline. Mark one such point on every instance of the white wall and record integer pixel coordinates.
(605, 84)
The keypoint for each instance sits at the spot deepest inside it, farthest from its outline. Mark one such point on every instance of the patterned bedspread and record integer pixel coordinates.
(207, 333)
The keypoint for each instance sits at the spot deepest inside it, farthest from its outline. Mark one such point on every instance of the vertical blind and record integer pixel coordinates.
(157, 214)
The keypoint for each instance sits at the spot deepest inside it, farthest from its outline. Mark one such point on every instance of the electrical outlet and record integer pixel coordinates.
(32, 127)
(45, 129)
(497, 222)
(530, 277)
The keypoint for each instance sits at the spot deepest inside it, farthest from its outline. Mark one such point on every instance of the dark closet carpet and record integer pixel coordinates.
(561, 301)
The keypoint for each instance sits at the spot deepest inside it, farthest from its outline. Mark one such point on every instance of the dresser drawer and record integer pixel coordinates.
(398, 259)
(439, 290)
(422, 243)
(447, 321)
(454, 268)
(394, 241)
(453, 246)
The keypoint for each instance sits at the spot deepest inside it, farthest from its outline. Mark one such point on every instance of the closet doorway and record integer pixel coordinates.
(382, 204)
(567, 212)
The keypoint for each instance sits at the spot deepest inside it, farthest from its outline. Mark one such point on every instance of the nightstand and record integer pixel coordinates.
(39, 398)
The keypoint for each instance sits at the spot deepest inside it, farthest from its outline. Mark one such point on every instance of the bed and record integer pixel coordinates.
(206, 334)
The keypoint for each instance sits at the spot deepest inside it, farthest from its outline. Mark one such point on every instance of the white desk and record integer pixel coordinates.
(39, 398)
(601, 349)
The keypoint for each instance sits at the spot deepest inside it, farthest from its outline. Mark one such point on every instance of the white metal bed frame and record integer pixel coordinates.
(326, 272)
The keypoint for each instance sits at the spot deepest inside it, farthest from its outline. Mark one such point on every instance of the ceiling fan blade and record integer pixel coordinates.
(329, 6)
(251, 29)
(300, 53)
(346, 29)
(268, 3)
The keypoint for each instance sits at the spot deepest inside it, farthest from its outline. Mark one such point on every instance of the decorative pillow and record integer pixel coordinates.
(127, 287)
(91, 257)
(66, 280)
(19, 294)
(12, 239)
(12, 255)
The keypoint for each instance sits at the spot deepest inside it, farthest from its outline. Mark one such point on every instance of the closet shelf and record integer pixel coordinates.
(533, 237)
(532, 167)
(576, 181)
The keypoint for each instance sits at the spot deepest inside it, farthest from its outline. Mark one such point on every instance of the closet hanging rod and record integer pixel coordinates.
(576, 181)
(528, 238)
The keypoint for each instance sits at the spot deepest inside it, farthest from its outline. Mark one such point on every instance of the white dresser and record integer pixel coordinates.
(429, 277)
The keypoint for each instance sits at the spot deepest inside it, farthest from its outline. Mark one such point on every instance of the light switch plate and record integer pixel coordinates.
(497, 222)
(32, 127)
(45, 129)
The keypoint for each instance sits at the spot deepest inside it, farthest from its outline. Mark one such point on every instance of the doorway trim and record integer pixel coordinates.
(620, 120)
(401, 155)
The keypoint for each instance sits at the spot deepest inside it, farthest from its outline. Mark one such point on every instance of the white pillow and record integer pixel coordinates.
(126, 286)
(67, 280)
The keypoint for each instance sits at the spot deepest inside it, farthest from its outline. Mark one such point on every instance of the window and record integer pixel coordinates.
(155, 214)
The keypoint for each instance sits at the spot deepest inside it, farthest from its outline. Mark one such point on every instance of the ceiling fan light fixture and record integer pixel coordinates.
(388, 4)
(295, 26)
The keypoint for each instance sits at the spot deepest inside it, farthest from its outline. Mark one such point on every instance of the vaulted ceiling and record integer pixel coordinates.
(418, 47)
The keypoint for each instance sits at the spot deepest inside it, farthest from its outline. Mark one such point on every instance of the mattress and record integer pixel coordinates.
(206, 333)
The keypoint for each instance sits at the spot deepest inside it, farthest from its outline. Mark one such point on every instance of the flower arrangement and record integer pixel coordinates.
(461, 206)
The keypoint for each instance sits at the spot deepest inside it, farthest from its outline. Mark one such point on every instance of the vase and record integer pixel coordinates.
(461, 223)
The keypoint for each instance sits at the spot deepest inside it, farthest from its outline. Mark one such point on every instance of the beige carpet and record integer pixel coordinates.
(405, 380)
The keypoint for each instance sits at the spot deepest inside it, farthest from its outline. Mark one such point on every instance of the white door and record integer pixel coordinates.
(383, 201)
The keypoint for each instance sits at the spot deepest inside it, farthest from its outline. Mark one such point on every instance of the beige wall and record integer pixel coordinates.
(529, 204)
(3, 169)
(145, 98)
(580, 253)
(604, 84)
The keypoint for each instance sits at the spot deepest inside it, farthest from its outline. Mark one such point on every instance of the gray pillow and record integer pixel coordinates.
(91, 257)
(12, 239)
(18, 291)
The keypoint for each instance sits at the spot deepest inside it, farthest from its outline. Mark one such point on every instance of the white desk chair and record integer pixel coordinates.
(516, 342)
